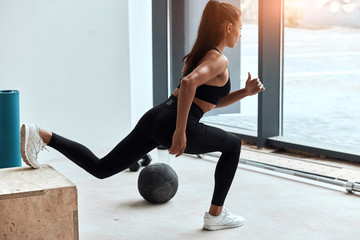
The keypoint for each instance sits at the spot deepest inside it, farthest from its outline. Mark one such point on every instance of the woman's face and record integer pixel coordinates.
(234, 33)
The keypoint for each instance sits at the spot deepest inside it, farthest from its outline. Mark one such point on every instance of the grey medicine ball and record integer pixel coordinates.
(158, 183)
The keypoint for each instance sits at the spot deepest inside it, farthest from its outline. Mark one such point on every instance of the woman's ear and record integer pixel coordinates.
(229, 27)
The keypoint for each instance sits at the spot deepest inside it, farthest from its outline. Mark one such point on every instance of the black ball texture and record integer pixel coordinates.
(158, 183)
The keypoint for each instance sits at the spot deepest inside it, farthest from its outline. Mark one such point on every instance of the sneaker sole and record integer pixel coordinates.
(24, 133)
(215, 228)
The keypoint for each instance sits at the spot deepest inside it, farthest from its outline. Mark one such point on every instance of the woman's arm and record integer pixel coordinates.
(214, 65)
(232, 98)
(253, 86)
(206, 71)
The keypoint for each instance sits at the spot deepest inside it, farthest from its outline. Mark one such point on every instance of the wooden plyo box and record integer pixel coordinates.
(37, 204)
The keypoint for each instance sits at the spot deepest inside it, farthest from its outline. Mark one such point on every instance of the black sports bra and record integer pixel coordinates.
(211, 94)
(208, 93)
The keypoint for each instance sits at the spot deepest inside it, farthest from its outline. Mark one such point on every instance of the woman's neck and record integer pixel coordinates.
(220, 47)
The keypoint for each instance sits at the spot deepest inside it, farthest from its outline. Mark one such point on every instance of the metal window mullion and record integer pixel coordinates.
(169, 43)
(177, 39)
(160, 50)
(270, 70)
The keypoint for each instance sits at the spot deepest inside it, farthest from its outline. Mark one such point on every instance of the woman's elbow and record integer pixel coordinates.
(187, 84)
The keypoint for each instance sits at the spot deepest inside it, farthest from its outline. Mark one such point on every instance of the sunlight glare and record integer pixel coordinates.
(321, 3)
(348, 8)
(346, 1)
(334, 7)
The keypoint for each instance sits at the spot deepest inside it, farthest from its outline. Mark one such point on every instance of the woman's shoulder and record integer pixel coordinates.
(214, 56)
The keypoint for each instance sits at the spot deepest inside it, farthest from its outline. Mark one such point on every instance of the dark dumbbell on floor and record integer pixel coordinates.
(144, 161)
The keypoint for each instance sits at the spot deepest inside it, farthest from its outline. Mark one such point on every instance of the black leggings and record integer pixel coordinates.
(155, 128)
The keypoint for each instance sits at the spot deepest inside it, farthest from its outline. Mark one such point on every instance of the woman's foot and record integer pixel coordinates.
(31, 144)
(224, 220)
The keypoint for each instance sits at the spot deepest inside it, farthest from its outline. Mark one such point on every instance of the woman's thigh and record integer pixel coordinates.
(202, 138)
(159, 125)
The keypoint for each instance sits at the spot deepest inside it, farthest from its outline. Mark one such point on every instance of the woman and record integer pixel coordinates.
(175, 123)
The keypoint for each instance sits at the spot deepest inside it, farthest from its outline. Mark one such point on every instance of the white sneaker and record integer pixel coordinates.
(223, 221)
(31, 144)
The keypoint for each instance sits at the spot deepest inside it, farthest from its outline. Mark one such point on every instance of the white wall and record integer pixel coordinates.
(70, 60)
(140, 31)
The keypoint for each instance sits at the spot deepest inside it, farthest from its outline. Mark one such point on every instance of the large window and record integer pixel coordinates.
(307, 53)
(322, 72)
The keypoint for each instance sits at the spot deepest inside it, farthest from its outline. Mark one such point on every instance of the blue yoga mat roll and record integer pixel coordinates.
(9, 129)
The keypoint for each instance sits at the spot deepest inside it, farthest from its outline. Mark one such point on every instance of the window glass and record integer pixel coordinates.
(322, 72)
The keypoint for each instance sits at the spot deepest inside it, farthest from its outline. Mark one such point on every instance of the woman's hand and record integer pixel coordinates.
(178, 143)
(253, 86)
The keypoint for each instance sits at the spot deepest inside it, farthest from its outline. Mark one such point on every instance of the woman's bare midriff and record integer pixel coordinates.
(205, 106)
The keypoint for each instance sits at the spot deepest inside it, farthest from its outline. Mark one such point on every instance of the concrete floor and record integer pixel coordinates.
(275, 206)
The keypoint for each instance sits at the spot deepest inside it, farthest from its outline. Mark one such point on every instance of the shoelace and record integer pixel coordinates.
(39, 147)
(228, 214)
(41, 144)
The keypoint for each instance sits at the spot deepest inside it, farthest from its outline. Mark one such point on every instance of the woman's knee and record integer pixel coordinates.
(102, 171)
(233, 143)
